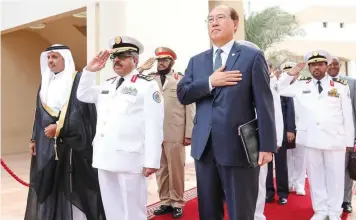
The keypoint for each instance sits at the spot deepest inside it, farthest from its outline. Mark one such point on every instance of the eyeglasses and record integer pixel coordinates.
(219, 18)
(119, 56)
(163, 60)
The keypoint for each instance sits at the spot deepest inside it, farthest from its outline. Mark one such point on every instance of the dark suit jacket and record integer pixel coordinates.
(288, 119)
(221, 111)
(352, 86)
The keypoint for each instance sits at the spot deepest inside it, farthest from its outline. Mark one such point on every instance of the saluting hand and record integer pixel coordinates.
(148, 64)
(229, 78)
(99, 61)
(296, 69)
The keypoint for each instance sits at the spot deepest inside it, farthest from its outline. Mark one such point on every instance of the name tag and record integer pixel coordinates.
(105, 92)
(306, 91)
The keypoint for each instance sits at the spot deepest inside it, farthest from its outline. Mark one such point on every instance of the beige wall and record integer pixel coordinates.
(20, 78)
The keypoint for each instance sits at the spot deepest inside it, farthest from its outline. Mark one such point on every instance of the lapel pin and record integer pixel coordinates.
(233, 54)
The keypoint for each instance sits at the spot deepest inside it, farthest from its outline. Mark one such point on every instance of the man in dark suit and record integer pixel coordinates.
(333, 71)
(223, 103)
(280, 158)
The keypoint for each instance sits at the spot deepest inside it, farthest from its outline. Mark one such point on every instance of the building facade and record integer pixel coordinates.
(328, 25)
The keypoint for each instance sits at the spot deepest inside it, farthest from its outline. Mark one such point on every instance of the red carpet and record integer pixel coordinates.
(298, 208)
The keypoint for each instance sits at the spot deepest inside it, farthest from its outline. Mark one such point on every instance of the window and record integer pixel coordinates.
(325, 24)
(341, 24)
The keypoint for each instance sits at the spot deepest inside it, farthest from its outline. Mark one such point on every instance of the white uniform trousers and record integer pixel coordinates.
(296, 167)
(261, 199)
(78, 214)
(124, 195)
(326, 173)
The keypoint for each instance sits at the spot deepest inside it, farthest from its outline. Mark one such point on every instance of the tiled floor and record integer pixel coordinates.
(13, 194)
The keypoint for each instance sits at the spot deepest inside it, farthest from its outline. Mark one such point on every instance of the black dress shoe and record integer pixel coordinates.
(163, 209)
(269, 199)
(282, 201)
(177, 212)
(347, 207)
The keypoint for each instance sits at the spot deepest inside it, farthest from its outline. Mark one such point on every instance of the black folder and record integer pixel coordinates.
(248, 133)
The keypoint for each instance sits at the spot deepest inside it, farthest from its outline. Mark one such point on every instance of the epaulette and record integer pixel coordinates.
(342, 81)
(145, 77)
(179, 73)
(112, 79)
(304, 78)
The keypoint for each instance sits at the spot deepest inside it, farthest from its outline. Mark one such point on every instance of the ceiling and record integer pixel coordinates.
(70, 31)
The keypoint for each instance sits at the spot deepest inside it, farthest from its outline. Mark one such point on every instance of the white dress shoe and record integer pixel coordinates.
(334, 218)
(319, 217)
(300, 192)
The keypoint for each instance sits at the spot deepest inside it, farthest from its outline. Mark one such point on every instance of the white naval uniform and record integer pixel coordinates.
(327, 129)
(261, 199)
(129, 136)
(296, 157)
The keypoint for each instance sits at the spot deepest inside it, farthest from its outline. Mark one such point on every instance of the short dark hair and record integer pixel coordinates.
(233, 14)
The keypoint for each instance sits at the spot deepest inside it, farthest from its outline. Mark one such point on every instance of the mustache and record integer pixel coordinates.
(118, 63)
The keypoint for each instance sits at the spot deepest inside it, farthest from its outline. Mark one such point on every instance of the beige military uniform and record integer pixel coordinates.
(178, 124)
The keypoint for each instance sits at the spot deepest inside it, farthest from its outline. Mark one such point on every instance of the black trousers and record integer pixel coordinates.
(238, 186)
(281, 175)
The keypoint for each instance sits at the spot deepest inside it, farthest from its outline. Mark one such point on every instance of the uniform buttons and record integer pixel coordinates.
(102, 135)
(317, 123)
(104, 123)
(210, 123)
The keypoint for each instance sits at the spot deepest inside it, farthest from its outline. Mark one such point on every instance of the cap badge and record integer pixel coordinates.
(117, 40)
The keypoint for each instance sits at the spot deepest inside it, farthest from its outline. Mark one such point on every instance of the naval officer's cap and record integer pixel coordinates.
(287, 66)
(317, 56)
(125, 45)
(164, 53)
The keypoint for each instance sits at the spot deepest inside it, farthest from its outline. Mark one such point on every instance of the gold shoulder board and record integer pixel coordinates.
(342, 81)
(304, 78)
(112, 78)
(147, 78)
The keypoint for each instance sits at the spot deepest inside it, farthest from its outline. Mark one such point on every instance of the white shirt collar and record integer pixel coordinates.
(128, 76)
(337, 76)
(226, 48)
(324, 80)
